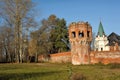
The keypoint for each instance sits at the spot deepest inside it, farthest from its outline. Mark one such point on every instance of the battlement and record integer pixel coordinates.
(80, 37)
(80, 32)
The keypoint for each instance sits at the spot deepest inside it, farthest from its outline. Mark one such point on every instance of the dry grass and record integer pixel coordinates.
(47, 71)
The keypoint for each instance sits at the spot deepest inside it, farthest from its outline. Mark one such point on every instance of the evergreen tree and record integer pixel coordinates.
(59, 32)
(50, 34)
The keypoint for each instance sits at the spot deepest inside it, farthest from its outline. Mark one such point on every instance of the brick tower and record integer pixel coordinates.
(80, 37)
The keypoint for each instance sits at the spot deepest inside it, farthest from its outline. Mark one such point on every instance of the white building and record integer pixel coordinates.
(101, 40)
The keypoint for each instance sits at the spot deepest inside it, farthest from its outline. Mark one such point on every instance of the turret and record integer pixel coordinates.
(80, 37)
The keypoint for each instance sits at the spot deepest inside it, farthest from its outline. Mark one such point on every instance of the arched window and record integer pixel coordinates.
(81, 34)
(73, 34)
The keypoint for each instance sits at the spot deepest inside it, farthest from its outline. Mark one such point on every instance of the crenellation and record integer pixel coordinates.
(83, 37)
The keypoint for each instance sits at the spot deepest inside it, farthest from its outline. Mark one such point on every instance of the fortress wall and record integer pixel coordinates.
(105, 57)
(60, 57)
(63, 57)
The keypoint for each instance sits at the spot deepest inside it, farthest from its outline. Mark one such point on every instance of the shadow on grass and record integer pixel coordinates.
(23, 76)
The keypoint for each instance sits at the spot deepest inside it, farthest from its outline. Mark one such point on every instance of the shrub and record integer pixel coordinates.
(78, 76)
(114, 66)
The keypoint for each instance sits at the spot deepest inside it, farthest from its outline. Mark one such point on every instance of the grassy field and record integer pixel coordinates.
(47, 71)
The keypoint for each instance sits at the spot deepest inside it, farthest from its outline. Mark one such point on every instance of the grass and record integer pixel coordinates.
(49, 71)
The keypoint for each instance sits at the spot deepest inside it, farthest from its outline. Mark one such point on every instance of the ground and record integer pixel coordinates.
(49, 71)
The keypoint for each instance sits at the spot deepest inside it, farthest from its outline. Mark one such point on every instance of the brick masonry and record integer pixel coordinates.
(104, 57)
(80, 37)
(60, 57)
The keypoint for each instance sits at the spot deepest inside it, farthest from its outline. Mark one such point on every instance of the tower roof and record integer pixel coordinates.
(101, 30)
(113, 38)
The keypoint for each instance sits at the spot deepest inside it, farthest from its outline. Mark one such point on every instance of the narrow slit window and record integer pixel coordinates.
(88, 33)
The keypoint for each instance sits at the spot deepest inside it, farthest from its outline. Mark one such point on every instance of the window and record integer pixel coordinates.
(88, 33)
(81, 34)
(73, 34)
(101, 49)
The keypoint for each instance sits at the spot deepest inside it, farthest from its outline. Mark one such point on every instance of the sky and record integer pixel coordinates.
(93, 11)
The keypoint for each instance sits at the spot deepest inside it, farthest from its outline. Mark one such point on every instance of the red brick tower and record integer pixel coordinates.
(80, 37)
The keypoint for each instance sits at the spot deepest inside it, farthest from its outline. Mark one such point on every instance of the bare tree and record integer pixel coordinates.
(6, 40)
(17, 14)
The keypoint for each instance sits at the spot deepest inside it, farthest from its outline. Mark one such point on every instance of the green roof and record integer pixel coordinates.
(101, 30)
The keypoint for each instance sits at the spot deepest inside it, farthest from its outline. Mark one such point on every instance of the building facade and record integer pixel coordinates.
(114, 42)
(101, 40)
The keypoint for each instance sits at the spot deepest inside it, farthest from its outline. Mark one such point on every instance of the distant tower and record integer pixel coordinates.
(80, 37)
(101, 40)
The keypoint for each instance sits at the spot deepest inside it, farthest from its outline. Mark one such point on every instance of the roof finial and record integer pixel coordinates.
(100, 19)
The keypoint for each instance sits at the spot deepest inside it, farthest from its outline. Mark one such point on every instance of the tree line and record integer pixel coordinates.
(18, 43)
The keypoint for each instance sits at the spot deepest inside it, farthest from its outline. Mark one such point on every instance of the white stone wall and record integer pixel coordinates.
(100, 44)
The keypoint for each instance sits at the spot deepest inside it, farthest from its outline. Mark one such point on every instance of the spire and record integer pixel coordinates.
(101, 30)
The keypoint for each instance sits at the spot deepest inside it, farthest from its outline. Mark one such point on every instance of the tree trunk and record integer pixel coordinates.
(36, 57)
(20, 50)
